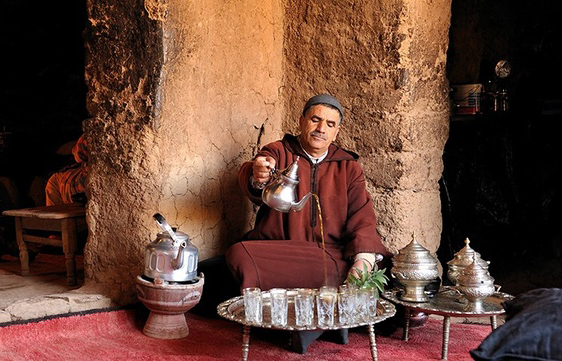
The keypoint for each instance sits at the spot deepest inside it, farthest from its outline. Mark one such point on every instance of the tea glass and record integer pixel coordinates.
(372, 303)
(253, 305)
(304, 307)
(279, 306)
(362, 301)
(346, 304)
(325, 305)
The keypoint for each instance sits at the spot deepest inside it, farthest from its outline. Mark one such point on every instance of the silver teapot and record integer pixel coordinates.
(280, 194)
(171, 256)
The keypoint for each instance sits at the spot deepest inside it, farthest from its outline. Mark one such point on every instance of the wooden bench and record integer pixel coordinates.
(64, 220)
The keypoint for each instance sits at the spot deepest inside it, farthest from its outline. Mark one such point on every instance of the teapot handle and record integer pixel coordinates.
(273, 172)
(166, 227)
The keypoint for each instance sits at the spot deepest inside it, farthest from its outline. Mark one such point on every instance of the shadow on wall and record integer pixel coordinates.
(239, 213)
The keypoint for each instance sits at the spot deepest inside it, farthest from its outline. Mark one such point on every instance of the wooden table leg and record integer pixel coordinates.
(24, 254)
(245, 342)
(494, 322)
(68, 226)
(373, 342)
(446, 329)
(407, 314)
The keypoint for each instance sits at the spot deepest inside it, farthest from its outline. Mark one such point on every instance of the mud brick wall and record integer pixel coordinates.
(181, 93)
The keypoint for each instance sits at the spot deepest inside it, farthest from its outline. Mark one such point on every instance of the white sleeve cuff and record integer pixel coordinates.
(255, 184)
(372, 258)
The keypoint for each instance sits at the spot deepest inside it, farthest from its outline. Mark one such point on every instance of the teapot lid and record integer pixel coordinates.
(466, 256)
(474, 274)
(180, 235)
(467, 251)
(292, 170)
(414, 253)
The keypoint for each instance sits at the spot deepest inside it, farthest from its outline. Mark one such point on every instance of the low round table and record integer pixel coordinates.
(233, 309)
(448, 302)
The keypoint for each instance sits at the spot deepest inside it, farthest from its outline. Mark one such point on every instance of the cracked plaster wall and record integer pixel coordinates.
(182, 92)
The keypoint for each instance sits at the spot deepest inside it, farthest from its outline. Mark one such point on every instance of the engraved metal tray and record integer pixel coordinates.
(233, 309)
(449, 301)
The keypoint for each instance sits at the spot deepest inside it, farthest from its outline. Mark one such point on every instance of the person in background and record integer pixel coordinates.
(68, 184)
(284, 249)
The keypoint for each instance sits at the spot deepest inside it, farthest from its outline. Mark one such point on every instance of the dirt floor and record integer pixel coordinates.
(48, 276)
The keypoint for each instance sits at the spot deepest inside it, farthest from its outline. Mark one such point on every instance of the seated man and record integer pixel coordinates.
(68, 184)
(285, 249)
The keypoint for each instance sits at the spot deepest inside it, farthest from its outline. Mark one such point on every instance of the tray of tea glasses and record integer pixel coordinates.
(233, 309)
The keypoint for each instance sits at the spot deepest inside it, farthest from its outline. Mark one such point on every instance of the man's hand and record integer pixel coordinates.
(359, 265)
(262, 169)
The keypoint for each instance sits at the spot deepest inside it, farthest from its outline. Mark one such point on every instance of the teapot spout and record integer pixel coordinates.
(177, 263)
(295, 207)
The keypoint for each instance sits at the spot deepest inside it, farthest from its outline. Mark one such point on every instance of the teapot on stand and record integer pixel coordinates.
(280, 194)
(171, 257)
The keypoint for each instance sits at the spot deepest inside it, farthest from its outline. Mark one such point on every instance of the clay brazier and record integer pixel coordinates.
(168, 303)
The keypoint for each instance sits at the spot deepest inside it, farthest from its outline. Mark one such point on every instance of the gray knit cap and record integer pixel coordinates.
(324, 99)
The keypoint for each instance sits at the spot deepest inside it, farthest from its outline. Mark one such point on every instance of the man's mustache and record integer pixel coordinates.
(318, 134)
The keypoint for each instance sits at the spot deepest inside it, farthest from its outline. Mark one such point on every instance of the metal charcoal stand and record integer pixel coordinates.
(233, 309)
(448, 302)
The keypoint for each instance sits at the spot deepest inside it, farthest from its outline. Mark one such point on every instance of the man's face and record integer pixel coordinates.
(319, 127)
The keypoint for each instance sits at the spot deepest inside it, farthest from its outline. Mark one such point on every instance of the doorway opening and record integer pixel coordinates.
(500, 186)
(43, 94)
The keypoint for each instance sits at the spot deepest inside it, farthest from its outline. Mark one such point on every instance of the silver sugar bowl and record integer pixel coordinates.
(476, 284)
(463, 259)
(414, 267)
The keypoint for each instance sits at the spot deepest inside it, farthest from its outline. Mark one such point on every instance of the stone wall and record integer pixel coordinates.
(181, 93)
(385, 61)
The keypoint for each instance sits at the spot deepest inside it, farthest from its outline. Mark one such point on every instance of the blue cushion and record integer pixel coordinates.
(532, 331)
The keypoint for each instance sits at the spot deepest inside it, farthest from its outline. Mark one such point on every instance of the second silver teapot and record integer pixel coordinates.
(281, 193)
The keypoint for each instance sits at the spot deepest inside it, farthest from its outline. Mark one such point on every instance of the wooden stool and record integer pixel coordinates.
(66, 219)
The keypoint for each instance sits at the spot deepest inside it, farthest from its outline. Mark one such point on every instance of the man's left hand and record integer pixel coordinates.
(359, 265)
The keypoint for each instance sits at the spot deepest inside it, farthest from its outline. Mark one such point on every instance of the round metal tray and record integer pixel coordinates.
(449, 301)
(233, 309)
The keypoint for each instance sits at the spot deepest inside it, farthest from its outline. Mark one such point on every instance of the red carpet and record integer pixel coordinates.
(118, 335)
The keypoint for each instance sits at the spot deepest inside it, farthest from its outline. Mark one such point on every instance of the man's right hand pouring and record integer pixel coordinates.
(262, 169)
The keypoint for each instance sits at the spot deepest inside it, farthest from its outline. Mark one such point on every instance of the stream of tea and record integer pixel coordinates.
(317, 199)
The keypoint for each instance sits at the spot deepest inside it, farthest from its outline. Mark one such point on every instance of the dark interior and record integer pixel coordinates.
(501, 182)
(43, 96)
(43, 90)
(500, 186)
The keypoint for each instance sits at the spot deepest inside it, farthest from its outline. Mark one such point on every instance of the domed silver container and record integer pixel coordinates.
(476, 284)
(414, 267)
(463, 259)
